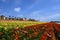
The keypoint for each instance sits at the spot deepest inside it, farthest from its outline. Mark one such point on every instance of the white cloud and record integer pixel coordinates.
(17, 9)
(51, 17)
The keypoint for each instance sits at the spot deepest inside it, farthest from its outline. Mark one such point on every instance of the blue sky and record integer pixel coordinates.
(43, 10)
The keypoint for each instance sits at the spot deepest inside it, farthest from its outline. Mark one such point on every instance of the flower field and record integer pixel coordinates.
(29, 31)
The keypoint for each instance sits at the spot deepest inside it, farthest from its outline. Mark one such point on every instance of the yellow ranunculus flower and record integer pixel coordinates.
(6, 24)
(5, 28)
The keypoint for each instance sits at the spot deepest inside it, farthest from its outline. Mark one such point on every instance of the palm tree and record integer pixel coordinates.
(9, 17)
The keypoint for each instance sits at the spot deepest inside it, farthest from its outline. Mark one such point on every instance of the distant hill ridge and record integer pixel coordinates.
(56, 21)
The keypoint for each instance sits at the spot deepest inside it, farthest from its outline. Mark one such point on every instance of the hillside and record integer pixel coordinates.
(26, 30)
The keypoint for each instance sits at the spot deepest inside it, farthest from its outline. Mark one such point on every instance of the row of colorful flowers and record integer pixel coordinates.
(46, 31)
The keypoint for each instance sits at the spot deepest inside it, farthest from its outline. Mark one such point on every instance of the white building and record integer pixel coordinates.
(2, 17)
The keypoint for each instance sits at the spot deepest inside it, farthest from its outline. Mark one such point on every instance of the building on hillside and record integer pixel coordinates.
(24, 19)
(2, 17)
